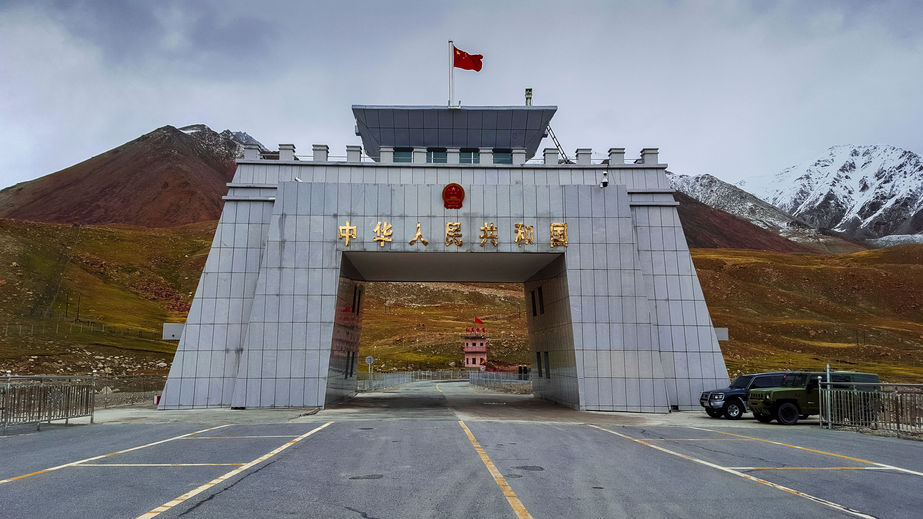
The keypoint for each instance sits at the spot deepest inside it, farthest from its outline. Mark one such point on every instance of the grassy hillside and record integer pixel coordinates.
(72, 296)
(860, 311)
(420, 325)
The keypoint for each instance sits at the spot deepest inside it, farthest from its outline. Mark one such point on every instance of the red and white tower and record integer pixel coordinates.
(476, 347)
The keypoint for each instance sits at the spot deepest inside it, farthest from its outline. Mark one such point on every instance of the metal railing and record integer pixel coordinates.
(501, 380)
(28, 400)
(895, 409)
(383, 380)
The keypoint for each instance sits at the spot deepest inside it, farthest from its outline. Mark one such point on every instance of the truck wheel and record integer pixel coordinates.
(787, 414)
(763, 418)
(733, 410)
(714, 413)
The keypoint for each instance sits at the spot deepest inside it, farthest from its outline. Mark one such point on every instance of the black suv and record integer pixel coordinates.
(731, 401)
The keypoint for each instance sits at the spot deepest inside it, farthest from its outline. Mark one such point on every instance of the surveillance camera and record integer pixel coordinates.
(605, 180)
(604, 183)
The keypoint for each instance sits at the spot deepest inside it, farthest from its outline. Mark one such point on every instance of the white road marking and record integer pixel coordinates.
(159, 465)
(192, 493)
(94, 458)
(240, 437)
(882, 465)
(783, 488)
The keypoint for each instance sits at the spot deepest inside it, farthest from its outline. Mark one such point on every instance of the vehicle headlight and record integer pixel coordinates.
(717, 396)
(766, 396)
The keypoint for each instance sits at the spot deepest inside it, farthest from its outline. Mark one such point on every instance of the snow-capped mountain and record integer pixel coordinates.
(860, 191)
(729, 198)
(228, 142)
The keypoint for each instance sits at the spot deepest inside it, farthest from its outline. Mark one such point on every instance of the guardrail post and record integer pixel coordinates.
(900, 411)
(5, 403)
(93, 398)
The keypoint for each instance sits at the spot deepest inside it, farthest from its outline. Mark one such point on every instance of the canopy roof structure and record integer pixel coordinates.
(495, 127)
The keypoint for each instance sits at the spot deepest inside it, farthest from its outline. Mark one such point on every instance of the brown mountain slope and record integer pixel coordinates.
(162, 179)
(707, 227)
(860, 311)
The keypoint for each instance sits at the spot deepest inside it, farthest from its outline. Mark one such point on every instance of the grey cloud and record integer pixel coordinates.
(732, 89)
(197, 38)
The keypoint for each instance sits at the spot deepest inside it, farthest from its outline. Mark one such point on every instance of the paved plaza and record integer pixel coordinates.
(446, 449)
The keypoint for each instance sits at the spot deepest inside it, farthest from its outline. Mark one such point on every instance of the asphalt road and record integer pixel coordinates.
(448, 450)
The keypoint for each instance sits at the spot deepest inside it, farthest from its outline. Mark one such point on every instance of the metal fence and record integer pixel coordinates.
(519, 383)
(28, 400)
(895, 409)
(128, 390)
(383, 380)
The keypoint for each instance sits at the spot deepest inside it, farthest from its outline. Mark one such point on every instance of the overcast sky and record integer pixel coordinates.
(735, 89)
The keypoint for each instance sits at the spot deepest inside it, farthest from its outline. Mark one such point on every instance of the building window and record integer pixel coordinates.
(534, 311)
(538, 362)
(469, 157)
(503, 156)
(547, 367)
(404, 155)
(436, 156)
(541, 302)
(482, 344)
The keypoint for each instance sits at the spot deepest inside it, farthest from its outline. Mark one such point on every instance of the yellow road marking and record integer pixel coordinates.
(94, 458)
(508, 493)
(860, 460)
(438, 388)
(777, 486)
(170, 504)
(158, 464)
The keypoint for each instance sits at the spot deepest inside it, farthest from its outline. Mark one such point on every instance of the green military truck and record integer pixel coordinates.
(798, 395)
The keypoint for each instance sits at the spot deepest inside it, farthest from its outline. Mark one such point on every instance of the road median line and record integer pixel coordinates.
(518, 508)
(737, 473)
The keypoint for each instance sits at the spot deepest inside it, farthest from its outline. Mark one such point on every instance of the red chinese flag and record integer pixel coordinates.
(478, 321)
(467, 61)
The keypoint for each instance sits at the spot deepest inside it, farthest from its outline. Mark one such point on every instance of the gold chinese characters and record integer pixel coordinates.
(419, 236)
(453, 233)
(525, 234)
(558, 234)
(346, 231)
(490, 234)
(382, 232)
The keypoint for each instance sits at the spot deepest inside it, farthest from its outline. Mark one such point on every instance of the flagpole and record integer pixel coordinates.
(451, 71)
